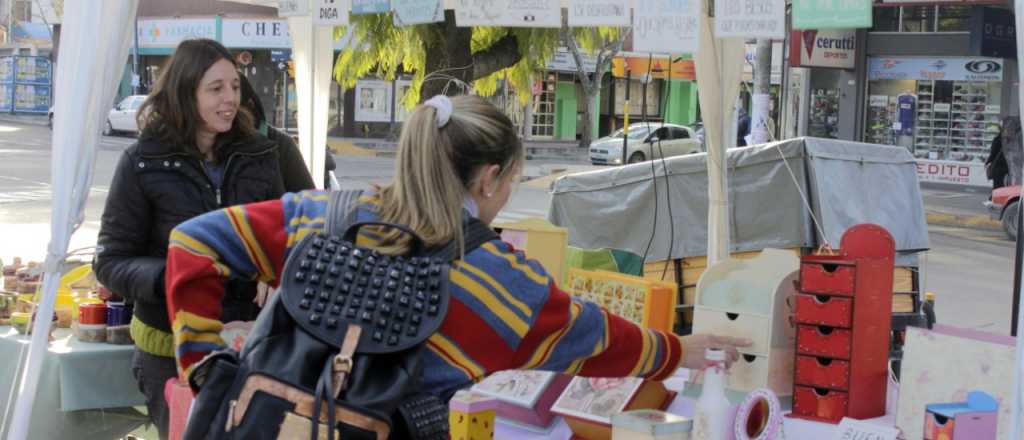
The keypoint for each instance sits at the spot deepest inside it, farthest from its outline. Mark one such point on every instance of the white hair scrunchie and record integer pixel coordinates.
(443, 105)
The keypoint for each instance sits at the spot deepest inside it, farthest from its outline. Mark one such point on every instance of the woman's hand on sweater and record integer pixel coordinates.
(695, 345)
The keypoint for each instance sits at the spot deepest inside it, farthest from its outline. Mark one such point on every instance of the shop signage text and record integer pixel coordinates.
(256, 33)
(563, 61)
(960, 173)
(658, 67)
(598, 13)
(946, 69)
(835, 48)
(170, 32)
(331, 12)
(993, 33)
(831, 14)
(666, 26)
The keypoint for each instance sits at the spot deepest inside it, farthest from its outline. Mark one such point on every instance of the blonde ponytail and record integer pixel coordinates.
(434, 167)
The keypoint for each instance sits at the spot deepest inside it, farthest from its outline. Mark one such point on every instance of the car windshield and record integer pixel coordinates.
(634, 133)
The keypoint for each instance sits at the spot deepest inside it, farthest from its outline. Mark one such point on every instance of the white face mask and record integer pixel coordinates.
(470, 205)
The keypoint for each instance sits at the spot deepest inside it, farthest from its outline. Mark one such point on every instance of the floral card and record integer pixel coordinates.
(596, 398)
(520, 387)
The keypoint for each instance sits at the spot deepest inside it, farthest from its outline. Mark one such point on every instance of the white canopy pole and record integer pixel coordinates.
(313, 51)
(1016, 413)
(719, 64)
(93, 49)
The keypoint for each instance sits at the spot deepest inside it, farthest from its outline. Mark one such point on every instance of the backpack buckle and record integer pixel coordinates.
(341, 365)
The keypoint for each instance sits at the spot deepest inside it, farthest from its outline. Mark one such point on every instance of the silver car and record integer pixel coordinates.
(644, 142)
(122, 117)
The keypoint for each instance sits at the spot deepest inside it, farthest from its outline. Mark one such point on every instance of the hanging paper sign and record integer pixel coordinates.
(370, 6)
(850, 429)
(666, 26)
(750, 18)
(598, 13)
(831, 14)
(292, 8)
(509, 13)
(408, 12)
(331, 12)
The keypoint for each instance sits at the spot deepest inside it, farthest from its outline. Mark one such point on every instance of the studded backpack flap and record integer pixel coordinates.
(336, 352)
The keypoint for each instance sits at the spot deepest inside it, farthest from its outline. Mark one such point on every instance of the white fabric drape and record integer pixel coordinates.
(1017, 414)
(93, 48)
(313, 52)
(719, 64)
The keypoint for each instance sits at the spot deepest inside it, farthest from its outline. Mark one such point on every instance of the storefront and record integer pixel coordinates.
(822, 86)
(939, 108)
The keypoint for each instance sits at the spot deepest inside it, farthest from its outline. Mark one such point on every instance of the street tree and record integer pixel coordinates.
(442, 57)
(603, 43)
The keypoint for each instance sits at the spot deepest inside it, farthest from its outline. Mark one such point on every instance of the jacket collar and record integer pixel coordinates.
(252, 145)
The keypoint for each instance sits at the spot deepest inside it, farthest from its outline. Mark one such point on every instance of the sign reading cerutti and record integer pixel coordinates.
(331, 12)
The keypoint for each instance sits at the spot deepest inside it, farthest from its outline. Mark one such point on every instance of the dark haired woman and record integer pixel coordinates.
(198, 151)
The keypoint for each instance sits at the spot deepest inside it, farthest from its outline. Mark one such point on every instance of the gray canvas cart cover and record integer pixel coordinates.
(845, 183)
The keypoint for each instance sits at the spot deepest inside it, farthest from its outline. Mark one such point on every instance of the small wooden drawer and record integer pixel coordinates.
(824, 341)
(774, 372)
(819, 404)
(829, 279)
(753, 327)
(827, 310)
(822, 372)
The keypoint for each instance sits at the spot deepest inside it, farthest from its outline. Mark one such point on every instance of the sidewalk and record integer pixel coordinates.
(28, 119)
(535, 150)
(957, 206)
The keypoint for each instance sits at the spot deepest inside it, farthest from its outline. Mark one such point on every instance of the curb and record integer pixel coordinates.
(40, 121)
(963, 221)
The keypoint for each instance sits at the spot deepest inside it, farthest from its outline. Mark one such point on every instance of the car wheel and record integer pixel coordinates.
(1010, 219)
(108, 130)
(637, 157)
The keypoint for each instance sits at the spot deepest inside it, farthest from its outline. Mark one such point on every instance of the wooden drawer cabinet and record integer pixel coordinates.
(827, 310)
(820, 404)
(822, 372)
(827, 278)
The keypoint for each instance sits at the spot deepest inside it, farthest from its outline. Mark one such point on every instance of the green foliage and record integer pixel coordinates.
(380, 48)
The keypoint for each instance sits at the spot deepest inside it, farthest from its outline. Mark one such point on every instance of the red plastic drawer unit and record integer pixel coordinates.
(819, 403)
(822, 372)
(823, 341)
(827, 278)
(843, 314)
(824, 310)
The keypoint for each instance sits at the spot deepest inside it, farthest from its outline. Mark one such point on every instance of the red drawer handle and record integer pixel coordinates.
(825, 331)
(824, 362)
(822, 299)
(829, 268)
(821, 392)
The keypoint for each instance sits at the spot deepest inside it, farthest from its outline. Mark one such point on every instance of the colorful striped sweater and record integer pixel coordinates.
(505, 312)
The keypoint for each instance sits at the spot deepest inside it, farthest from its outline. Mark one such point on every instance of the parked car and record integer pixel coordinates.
(645, 142)
(1005, 207)
(122, 117)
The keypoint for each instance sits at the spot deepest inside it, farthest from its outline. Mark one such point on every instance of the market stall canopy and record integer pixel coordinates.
(846, 183)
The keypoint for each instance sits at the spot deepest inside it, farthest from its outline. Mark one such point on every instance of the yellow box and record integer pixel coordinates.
(540, 240)
(649, 303)
(471, 416)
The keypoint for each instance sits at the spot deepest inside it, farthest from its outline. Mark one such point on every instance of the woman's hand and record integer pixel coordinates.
(695, 345)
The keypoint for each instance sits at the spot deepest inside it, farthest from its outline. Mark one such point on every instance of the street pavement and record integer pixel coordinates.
(969, 268)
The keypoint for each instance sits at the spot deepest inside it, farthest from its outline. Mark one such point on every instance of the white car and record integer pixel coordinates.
(122, 117)
(645, 142)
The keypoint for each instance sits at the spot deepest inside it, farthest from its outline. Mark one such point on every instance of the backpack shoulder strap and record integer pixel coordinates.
(474, 234)
(340, 209)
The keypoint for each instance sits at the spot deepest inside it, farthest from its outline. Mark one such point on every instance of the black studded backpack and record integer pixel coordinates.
(336, 352)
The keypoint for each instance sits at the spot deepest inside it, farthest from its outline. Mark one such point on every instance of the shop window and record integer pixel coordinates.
(886, 20)
(955, 18)
(918, 19)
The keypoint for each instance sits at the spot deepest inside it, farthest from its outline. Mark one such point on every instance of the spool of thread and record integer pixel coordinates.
(759, 416)
(118, 314)
(92, 314)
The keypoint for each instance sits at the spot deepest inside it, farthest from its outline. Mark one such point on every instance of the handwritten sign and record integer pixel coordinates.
(850, 429)
(750, 18)
(292, 8)
(666, 26)
(408, 12)
(598, 13)
(509, 13)
(331, 12)
(370, 6)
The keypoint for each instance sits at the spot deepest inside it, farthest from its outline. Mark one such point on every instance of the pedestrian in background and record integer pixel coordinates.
(995, 165)
(1013, 149)
(198, 151)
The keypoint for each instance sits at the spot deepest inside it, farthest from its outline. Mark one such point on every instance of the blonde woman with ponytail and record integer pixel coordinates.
(457, 158)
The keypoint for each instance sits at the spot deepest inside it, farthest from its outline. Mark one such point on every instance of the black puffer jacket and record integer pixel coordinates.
(156, 187)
